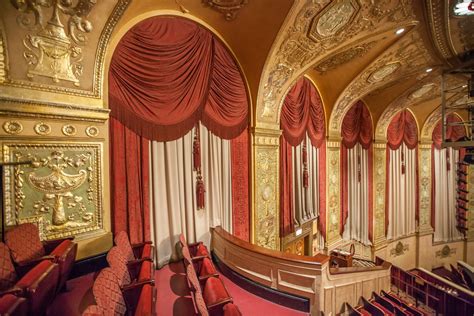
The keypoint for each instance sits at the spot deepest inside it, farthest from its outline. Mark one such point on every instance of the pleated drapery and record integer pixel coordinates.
(402, 176)
(167, 73)
(173, 204)
(356, 174)
(453, 132)
(302, 158)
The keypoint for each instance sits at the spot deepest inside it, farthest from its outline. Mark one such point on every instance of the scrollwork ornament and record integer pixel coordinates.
(92, 131)
(42, 129)
(229, 7)
(12, 127)
(69, 130)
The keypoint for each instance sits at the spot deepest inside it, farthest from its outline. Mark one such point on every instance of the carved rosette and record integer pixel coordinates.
(266, 213)
(333, 180)
(228, 8)
(379, 192)
(425, 187)
(60, 190)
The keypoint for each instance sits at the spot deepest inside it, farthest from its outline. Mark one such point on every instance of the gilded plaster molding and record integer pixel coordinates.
(403, 58)
(379, 188)
(3, 57)
(228, 8)
(470, 205)
(61, 190)
(266, 212)
(333, 180)
(310, 33)
(12, 127)
(445, 252)
(437, 20)
(424, 154)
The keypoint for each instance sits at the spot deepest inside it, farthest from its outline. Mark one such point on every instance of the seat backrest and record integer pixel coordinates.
(192, 277)
(93, 310)
(186, 255)
(182, 240)
(118, 264)
(24, 242)
(8, 276)
(107, 293)
(200, 304)
(123, 242)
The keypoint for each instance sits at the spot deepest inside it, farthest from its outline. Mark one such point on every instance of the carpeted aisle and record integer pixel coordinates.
(173, 297)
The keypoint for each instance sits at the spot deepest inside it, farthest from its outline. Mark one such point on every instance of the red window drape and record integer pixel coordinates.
(302, 114)
(356, 128)
(166, 74)
(453, 133)
(402, 129)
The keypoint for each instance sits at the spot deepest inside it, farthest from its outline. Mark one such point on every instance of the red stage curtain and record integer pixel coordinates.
(402, 129)
(303, 113)
(129, 170)
(286, 188)
(240, 186)
(356, 128)
(167, 73)
(453, 133)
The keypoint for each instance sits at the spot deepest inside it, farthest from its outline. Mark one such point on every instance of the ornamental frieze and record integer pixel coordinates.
(60, 190)
(333, 192)
(379, 192)
(425, 187)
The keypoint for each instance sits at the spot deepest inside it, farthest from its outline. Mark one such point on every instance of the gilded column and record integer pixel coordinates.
(266, 194)
(379, 187)
(424, 163)
(470, 215)
(333, 180)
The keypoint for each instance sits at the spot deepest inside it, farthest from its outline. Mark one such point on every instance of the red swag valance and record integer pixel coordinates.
(303, 113)
(357, 126)
(453, 132)
(167, 73)
(402, 128)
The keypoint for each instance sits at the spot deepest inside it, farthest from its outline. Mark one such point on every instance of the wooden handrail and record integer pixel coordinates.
(318, 259)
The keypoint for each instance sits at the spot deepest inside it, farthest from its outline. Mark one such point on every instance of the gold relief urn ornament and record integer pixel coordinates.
(51, 51)
(58, 186)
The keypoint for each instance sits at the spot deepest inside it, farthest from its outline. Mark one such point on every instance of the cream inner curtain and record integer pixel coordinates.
(305, 200)
(357, 224)
(402, 193)
(445, 195)
(173, 187)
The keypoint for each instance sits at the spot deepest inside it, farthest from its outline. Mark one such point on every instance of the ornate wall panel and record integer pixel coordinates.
(470, 188)
(57, 46)
(379, 193)
(424, 154)
(311, 32)
(266, 191)
(60, 190)
(333, 180)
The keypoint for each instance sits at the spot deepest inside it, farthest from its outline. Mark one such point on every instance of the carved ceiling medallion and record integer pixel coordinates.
(422, 91)
(227, 7)
(344, 57)
(383, 72)
(333, 19)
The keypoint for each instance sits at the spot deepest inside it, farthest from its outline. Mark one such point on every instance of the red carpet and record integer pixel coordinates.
(173, 296)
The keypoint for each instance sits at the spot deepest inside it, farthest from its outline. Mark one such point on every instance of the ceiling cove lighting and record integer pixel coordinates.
(429, 70)
(400, 31)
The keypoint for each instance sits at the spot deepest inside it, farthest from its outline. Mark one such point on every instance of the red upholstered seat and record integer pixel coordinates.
(107, 293)
(8, 276)
(200, 304)
(231, 309)
(197, 249)
(127, 272)
(93, 310)
(27, 249)
(146, 302)
(214, 291)
(133, 252)
(201, 250)
(207, 267)
(13, 305)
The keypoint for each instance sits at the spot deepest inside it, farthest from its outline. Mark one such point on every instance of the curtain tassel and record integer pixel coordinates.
(196, 149)
(359, 172)
(305, 165)
(200, 190)
(403, 163)
(448, 163)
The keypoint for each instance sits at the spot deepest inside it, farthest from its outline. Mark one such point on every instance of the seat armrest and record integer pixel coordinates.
(23, 267)
(14, 290)
(131, 293)
(34, 285)
(194, 244)
(220, 303)
(134, 267)
(198, 258)
(141, 244)
(137, 284)
(205, 277)
(50, 245)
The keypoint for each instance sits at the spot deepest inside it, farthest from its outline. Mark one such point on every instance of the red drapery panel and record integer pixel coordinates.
(286, 188)
(453, 133)
(303, 113)
(356, 128)
(240, 186)
(167, 73)
(129, 169)
(402, 128)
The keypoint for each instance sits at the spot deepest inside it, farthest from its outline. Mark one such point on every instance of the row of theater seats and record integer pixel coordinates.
(460, 274)
(127, 286)
(209, 294)
(384, 304)
(32, 272)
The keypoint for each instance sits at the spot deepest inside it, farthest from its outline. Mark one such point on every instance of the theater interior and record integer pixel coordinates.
(237, 157)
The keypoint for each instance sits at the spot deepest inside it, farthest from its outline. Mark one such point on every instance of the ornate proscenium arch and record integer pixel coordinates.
(310, 33)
